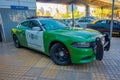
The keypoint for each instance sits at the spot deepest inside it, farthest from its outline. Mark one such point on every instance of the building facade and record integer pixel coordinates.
(11, 13)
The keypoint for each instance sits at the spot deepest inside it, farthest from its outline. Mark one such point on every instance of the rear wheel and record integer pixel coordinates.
(60, 54)
(16, 42)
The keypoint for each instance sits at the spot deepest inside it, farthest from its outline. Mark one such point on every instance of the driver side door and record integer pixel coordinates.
(35, 36)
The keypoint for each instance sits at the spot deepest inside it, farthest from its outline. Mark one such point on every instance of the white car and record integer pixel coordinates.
(82, 22)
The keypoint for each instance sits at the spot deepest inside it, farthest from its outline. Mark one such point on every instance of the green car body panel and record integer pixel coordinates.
(66, 36)
(20, 33)
(69, 36)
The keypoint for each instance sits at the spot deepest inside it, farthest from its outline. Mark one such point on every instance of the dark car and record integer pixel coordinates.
(89, 17)
(104, 26)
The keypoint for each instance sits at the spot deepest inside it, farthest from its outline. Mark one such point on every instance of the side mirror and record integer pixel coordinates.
(36, 28)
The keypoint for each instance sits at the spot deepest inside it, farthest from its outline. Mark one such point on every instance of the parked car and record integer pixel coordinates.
(104, 26)
(89, 17)
(67, 22)
(63, 44)
(82, 22)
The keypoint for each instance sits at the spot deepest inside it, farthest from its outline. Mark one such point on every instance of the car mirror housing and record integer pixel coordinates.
(36, 28)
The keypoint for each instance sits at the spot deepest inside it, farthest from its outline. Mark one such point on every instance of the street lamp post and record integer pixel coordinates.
(72, 14)
(111, 26)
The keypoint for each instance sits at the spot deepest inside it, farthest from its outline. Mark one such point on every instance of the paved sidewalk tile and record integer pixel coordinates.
(27, 64)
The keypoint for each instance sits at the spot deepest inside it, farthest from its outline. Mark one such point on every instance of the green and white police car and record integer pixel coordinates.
(63, 44)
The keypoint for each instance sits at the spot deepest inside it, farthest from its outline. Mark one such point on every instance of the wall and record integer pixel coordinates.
(11, 17)
(7, 3)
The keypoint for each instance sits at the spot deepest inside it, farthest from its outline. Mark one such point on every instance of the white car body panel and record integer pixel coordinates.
(35, 40)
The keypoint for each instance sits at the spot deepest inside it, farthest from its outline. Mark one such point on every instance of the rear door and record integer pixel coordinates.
(35, 37)
(21, 28)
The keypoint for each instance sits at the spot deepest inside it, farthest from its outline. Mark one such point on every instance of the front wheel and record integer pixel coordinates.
(60, 54)
(16, 42)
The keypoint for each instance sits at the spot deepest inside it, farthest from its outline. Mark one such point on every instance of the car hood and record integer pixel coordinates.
(83, 33)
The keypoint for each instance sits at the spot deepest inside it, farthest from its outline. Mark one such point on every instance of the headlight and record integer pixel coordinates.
(81, 44)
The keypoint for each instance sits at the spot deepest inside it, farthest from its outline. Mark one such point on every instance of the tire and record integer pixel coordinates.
(60, 54)
(16, 42)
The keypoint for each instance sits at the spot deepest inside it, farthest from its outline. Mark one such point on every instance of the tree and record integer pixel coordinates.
(38, 13)
(47, 13)
(42, 11)
(103, 13)
(77, 14)
(66, 15)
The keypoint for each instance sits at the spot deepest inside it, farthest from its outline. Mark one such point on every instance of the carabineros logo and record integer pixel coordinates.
(32, 36)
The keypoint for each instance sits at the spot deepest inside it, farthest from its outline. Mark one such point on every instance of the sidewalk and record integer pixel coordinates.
(26, 64)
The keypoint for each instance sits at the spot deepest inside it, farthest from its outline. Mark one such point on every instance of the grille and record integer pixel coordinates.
(93, 44)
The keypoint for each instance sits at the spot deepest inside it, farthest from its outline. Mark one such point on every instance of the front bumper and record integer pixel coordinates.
(95, 52)
(82, 55)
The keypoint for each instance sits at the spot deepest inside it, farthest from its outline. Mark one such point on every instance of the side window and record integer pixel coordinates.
(81, 21)
(88, 20)
(109, 22)
(115, 22)
(25, 24)
(34, 23)
(102, 22)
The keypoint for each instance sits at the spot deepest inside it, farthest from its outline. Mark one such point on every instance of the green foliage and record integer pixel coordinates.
(102, 13)
(78, 14)
(65, 15)
(38, 13)
(47, 13)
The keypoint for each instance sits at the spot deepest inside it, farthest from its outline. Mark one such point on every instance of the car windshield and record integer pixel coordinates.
(51, 24)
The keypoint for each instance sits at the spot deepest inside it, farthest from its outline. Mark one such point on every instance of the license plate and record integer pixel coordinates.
(115, 32)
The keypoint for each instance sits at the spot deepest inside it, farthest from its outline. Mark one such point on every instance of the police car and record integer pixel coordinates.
(63, 44)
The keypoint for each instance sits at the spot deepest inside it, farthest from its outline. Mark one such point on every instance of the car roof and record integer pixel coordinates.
(40, 19)
(36, 19)
(106, 19)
